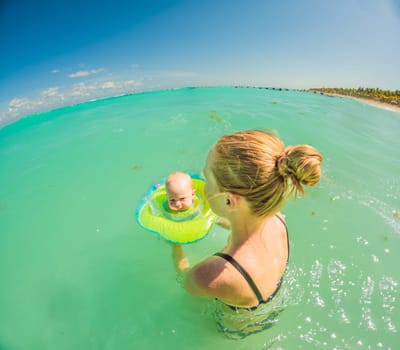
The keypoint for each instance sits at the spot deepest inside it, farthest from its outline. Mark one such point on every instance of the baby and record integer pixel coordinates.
(180, 191)
(181, 194)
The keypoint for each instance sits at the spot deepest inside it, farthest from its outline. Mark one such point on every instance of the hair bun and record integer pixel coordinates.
(282, 164)
(301, 164)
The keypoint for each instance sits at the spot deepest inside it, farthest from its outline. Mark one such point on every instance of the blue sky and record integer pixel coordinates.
(56, 53)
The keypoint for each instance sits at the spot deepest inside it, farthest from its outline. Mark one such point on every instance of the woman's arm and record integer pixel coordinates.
(181, 262)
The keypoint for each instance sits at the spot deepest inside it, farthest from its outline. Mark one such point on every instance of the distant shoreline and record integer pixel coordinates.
(384, 99)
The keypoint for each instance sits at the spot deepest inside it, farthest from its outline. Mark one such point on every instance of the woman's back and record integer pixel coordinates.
(251, 271)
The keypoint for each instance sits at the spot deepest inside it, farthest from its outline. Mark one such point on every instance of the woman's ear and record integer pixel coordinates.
(232, 200)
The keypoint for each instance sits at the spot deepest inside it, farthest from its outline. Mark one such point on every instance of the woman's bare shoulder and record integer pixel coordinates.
(206, 278)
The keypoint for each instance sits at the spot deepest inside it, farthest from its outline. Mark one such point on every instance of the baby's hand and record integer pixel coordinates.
(223, 223)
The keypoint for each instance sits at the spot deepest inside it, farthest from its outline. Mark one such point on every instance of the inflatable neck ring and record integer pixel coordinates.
(181, 227)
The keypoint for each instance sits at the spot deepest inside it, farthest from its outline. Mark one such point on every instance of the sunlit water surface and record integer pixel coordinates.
(77, 272)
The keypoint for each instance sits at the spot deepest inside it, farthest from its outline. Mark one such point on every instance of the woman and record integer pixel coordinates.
(249, 176)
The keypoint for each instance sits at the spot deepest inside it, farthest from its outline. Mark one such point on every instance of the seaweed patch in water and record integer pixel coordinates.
(3, 206)
(136, 167)
(213, 116)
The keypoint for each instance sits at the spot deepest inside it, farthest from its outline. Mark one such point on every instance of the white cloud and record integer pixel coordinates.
(50, 92)
(131, 83)
(55, 71)
(80, 90)
(53, 97)
(108, 85)
(85, 73)
(79, 74)
(17, 104)
(117, 85)
(103, 89)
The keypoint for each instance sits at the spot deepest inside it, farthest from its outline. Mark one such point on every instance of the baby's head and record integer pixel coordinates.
(180, 191)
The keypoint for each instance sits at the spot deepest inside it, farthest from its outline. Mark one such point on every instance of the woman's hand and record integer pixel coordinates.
(188, 277)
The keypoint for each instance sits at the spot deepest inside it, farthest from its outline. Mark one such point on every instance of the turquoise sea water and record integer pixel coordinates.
(77, 272)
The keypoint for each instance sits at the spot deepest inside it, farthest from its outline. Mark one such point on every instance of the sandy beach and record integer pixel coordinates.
(387, 106)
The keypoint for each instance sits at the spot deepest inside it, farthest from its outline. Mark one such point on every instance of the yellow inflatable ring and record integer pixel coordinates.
(182, 227)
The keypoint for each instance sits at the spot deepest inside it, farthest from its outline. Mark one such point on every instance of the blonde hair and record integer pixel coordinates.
(256, 165)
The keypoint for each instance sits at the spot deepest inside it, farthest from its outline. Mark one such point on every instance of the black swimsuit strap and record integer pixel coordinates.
(287, 234)
(243, 273)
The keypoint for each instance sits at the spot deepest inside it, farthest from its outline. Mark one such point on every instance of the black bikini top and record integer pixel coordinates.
(248, 278)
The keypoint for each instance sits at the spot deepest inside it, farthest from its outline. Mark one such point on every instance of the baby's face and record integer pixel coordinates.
(180, 196)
